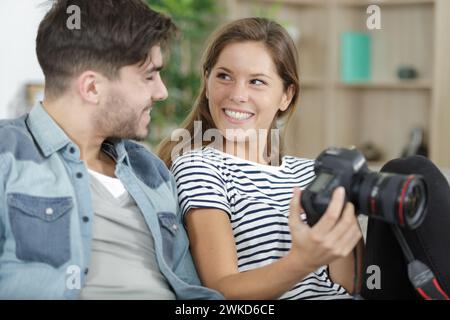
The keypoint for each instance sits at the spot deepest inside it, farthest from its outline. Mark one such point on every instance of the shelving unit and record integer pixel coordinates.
(385, 109)
(388, 85)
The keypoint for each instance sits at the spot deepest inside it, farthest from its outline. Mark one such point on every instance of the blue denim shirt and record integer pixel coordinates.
(46, 212)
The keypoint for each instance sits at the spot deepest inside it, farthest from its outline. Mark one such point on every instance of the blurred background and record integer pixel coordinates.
(376, 77)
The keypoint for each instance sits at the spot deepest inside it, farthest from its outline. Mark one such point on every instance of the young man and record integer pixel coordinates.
(84, 211)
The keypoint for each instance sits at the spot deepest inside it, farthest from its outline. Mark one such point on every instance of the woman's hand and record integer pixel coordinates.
(332, 237)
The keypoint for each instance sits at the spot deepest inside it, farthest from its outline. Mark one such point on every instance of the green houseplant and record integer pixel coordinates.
(196, 20)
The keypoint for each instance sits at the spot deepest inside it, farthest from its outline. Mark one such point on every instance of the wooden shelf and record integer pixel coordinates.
(365, 3)
(376, 165)
(311, 82)
(292, 2)
(384, 110)
(387, 85)
(354, 3)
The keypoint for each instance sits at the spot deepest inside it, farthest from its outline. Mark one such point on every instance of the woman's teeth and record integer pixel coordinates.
(238, 115)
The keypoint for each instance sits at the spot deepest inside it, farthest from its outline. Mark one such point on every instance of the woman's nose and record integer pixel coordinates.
(239, 93)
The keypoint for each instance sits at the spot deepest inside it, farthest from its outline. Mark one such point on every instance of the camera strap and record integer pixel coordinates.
(420, 276)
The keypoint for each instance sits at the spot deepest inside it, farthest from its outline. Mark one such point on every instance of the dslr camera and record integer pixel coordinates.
(394, 198)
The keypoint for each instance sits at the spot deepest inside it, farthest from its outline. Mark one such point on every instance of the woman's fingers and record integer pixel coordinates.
(332, 237)
(347, 243)
(345, 222)
(333, 212)
(295, 210)
(348, 234)
(343, 231)
(295, 207)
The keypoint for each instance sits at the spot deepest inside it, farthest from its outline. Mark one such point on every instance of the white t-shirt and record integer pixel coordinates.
(256, 199)
(113, 185)
(123, 261)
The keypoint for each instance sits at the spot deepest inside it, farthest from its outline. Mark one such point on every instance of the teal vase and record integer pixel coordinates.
(355, 57)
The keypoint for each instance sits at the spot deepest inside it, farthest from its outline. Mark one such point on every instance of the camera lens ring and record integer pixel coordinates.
(400, 207)
(394, 198)
(413, 193)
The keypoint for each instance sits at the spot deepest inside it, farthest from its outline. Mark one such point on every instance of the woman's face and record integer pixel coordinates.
(244, 89)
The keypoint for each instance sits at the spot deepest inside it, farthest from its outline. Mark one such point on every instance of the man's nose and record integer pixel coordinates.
(160, 93)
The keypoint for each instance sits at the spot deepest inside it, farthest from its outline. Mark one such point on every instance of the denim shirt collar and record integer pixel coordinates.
(51, 138)
(48, 135)
(115, 148)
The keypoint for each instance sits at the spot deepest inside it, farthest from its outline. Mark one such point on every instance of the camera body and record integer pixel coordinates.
(394, 198)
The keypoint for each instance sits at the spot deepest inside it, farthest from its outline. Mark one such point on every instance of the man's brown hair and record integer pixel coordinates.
(112, 34)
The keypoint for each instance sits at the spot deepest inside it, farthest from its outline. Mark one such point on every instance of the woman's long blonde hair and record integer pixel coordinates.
(283, 53)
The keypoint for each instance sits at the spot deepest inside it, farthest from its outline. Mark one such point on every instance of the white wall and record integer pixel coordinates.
(19, 20)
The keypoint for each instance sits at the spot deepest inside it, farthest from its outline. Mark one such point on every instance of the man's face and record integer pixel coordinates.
(125, 111)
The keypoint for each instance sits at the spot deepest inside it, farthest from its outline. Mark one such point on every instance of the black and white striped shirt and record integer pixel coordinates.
(256, 199)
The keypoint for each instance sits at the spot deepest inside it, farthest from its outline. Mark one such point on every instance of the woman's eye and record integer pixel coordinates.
(223, 76)
(257, 82)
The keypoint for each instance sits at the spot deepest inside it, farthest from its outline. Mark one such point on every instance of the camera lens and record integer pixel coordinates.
(413, 201)
(394, 198)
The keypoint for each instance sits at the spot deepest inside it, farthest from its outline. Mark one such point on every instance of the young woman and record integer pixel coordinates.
(240, 196)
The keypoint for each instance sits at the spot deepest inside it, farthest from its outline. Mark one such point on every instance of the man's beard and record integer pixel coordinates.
(118, 120)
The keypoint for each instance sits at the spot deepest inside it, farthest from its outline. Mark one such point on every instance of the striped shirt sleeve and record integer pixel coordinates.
(200, 184)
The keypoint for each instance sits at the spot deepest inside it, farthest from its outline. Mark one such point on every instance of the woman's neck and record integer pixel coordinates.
(254, 152)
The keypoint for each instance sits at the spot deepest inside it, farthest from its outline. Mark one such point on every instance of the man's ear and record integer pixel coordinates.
(89, 85)
(287, 98)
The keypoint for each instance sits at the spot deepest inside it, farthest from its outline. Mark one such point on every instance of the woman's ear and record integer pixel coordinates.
(287, 98)
(206, 84)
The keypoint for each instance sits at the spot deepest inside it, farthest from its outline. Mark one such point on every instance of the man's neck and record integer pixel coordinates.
(76, 121)
(104, 164)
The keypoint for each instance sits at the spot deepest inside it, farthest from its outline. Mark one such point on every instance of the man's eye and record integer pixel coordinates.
(150, 75)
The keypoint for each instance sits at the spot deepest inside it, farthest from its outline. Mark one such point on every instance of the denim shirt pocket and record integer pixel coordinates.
(170, 228)
(41, 228)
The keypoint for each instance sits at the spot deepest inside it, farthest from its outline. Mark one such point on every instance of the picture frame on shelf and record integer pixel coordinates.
(34, 93)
